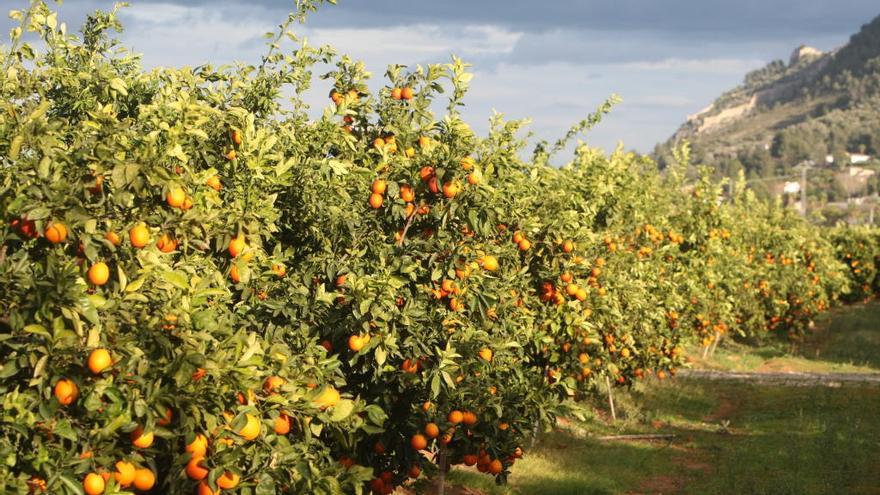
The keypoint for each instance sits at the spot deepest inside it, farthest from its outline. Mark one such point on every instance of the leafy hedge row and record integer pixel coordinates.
(203, 289)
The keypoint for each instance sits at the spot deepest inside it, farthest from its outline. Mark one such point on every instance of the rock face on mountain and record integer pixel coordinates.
(804, 53)
(810, 86)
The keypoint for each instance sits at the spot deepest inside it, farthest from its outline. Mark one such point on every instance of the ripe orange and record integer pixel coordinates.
(166, 244)
(139, 235)
(455, 304)
(581, 294)
(141, 439)
(113, 237)
(99, 273)
(426, 173)
(237, 245)
(357, 342)
(205, 489)
(329, 397)
(144, 479)
(486, 354)
(406, 193)
(432, 430)
(572, 289)
(451, 189)
(415, 471)
(474, 178)
(433, 185)
(99, 360)
(379, 186)
(236, 138)
(489, 263)
(469, 418)
(272, 383)
(567, 246)
(396, 93)
(98, 186)
(196, 469)
(376, 201)
(495, 467)
(525, 245)
(214, 183)
(282, 424)
(175, 197)
(406, 93)
(125, 473)
(166, 419)
(455, 417)
(56, 232)
(518, 237)
(234, 275)
(66, 391)
(198, 447)
(469, 459)
(418, 442)
(228, 480)
(93, 484)
(279, 269)
(231, 155)
(251, 429)
(467, 163)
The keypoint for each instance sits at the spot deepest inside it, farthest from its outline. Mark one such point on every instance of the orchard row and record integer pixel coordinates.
(203, 290)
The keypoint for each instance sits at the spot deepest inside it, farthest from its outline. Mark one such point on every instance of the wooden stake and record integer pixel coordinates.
(715, 343)
(610, 398)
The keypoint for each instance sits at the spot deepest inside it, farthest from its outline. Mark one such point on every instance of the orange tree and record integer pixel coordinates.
(859, 249)
(205, 290)
(140, 347)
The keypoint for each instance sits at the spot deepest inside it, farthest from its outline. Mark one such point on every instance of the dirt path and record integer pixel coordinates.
(786, 378)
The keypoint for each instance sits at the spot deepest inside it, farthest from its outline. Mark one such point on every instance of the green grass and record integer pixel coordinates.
(845, 340)
(730, 438)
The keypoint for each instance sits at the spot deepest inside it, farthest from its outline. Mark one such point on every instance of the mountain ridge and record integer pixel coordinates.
(780, 96)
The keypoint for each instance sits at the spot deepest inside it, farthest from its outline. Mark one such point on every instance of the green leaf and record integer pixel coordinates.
(38, 329)
(342, 410)
(176, 279)
(118, 85)
(72, 484)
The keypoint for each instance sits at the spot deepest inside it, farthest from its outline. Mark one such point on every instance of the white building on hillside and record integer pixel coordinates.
(855, 158)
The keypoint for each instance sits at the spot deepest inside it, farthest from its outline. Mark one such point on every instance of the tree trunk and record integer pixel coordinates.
(441, 463)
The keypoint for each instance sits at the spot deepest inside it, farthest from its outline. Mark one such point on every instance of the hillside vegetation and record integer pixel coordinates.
(815, 105)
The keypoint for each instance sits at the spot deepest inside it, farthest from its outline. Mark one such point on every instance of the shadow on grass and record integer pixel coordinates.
(566, 465)
(847, 335)
(780, 440)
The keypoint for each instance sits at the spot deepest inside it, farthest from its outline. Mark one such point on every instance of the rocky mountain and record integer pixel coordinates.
(814, 105)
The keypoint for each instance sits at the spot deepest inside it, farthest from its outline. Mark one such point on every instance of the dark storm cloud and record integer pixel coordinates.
(553, 60)
(713, 18)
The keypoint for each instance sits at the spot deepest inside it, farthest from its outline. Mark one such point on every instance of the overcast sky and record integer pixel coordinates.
(551, 60)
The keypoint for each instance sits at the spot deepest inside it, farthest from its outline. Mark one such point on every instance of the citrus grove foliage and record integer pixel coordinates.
(204, 290)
